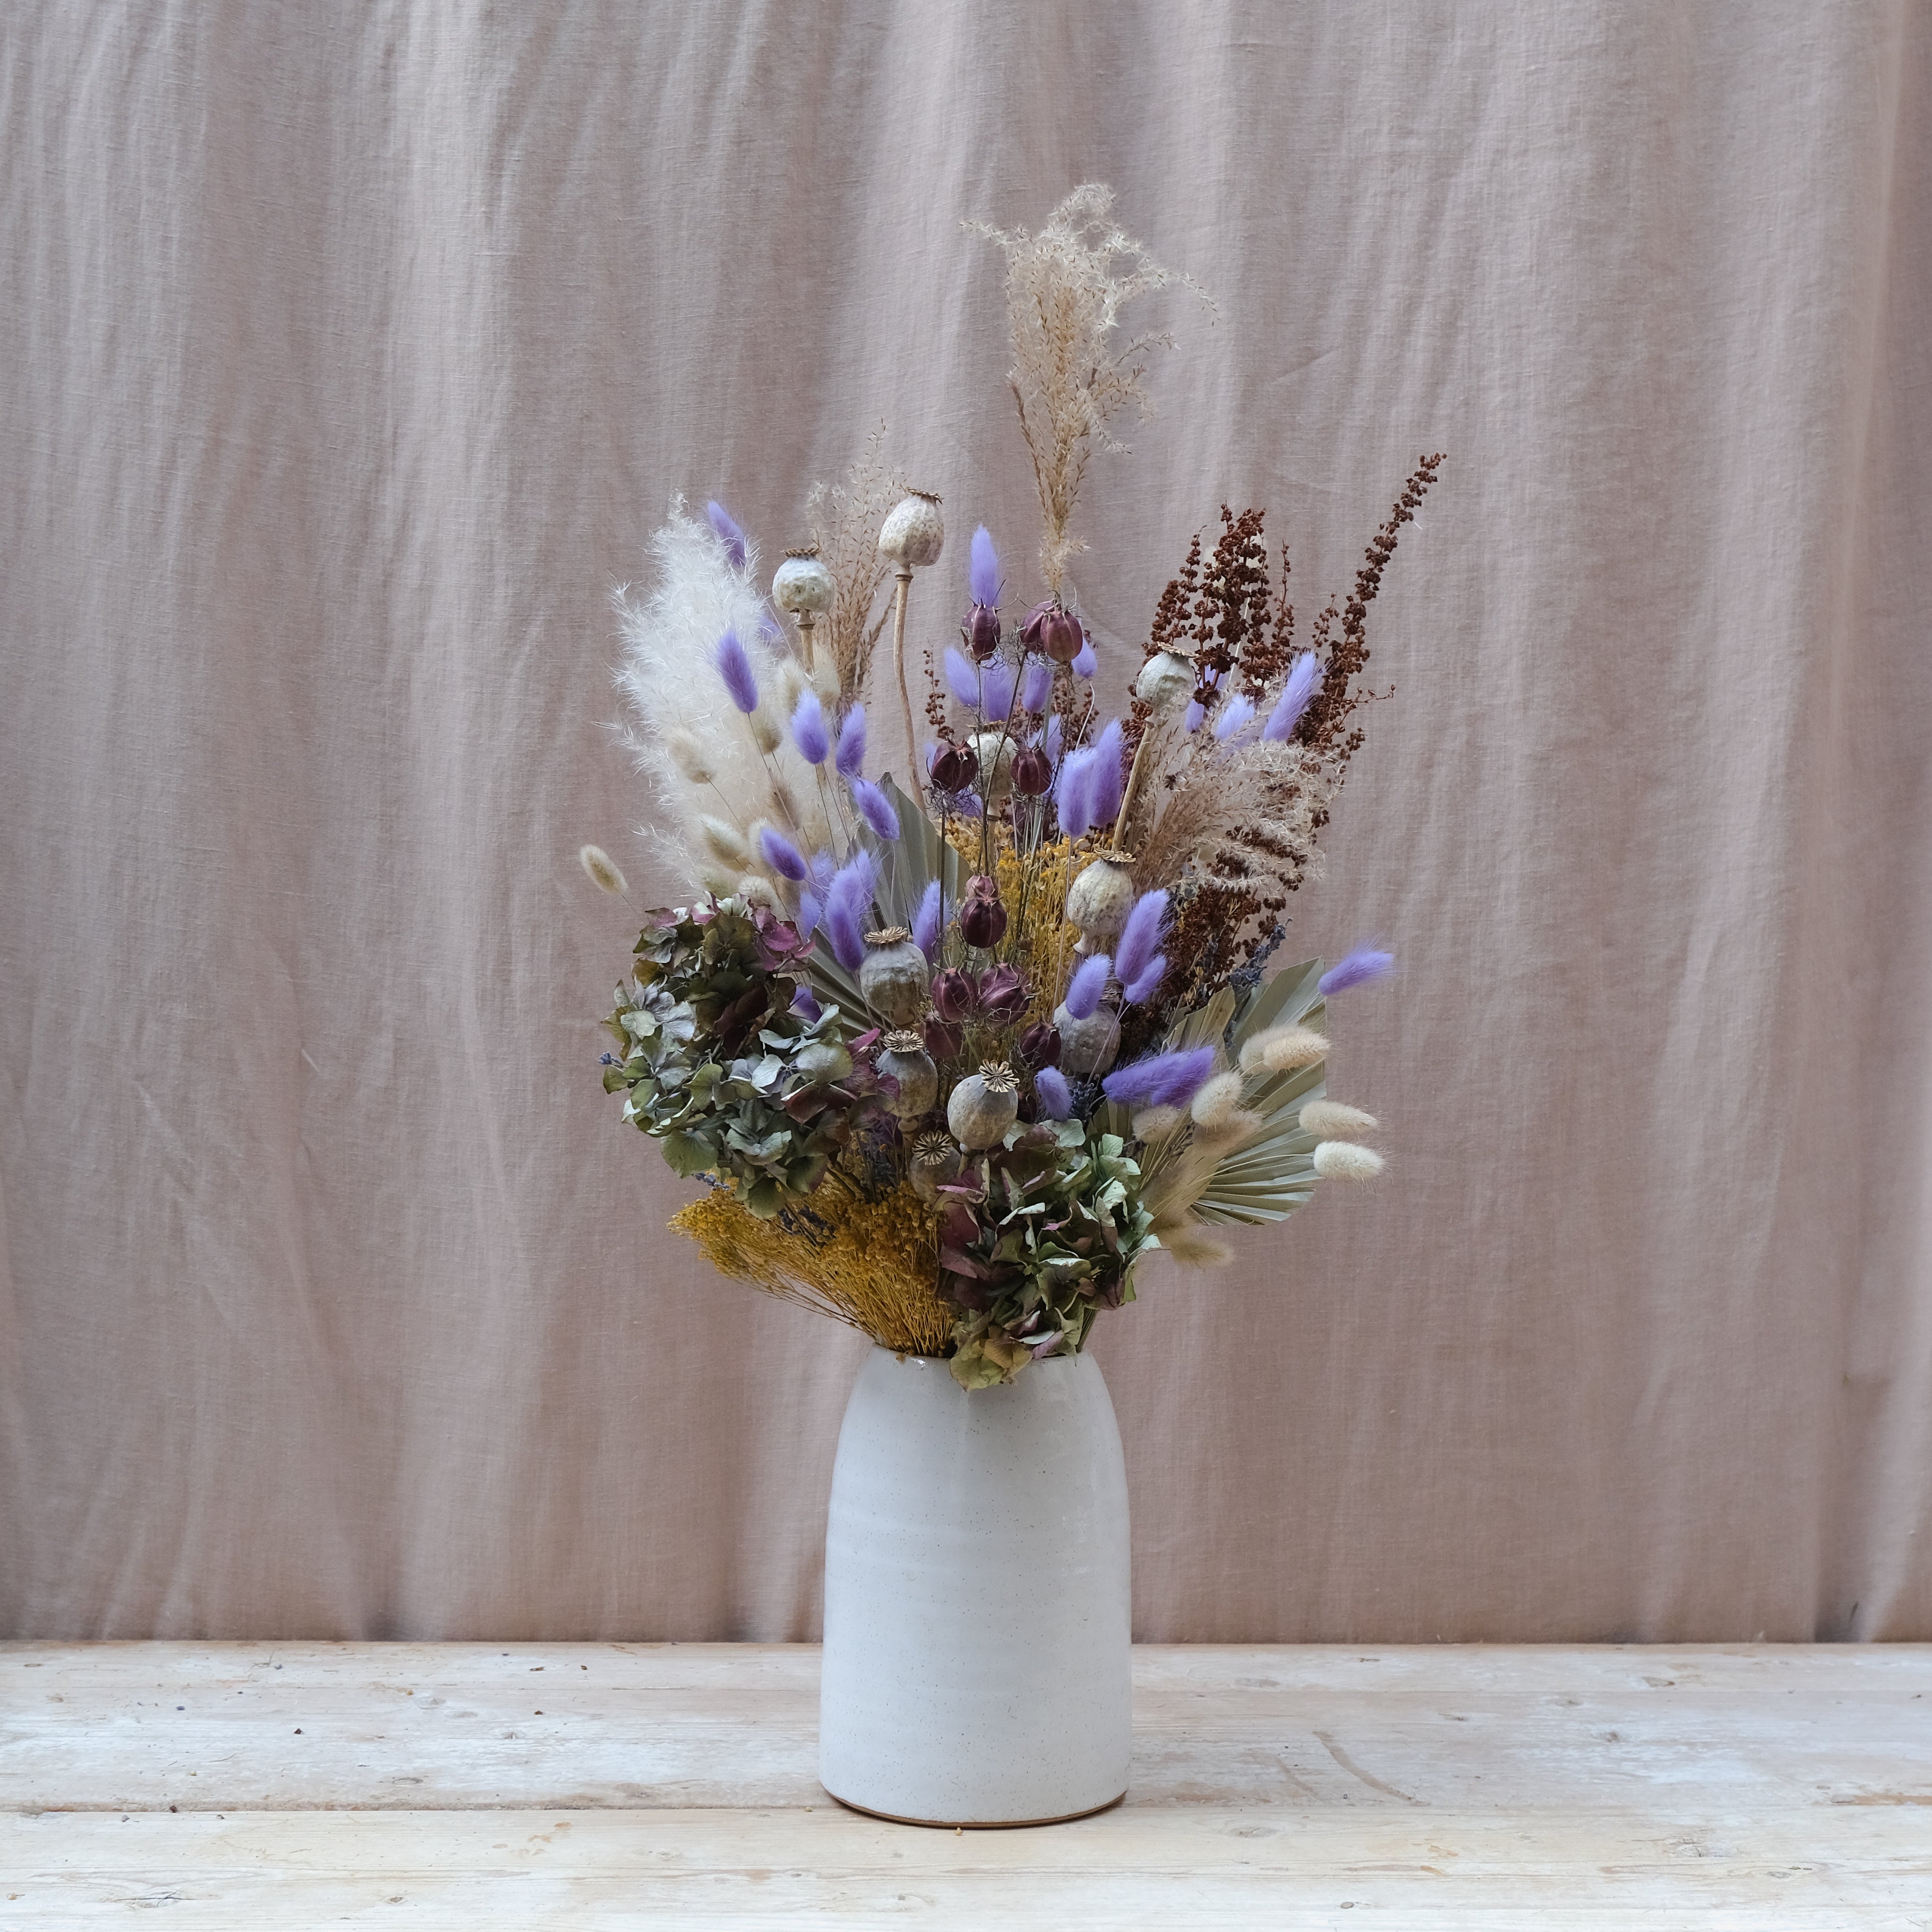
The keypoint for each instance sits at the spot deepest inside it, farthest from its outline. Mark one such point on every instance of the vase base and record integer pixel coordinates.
(973, 1824)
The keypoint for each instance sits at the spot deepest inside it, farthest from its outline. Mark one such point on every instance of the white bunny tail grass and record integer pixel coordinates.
(694, 764)
(602, 869)
(1191, 1245)
(1329, 1120)
(1343, 1160)
(1235, 1128)
(726, 843)
(1282, 1049)
(1155, 1123)
(1217, 1100)
(754, 889)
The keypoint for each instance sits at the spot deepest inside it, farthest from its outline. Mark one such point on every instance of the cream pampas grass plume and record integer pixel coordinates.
(1282, 1049)
(1329, 1120)
(1343, 1160)
(603, 870)
(695, 648)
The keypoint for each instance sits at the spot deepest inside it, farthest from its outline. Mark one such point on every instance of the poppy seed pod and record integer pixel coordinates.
(1087, 1047)
(802, 583)
(984, 1105)
(903, 1057)
(1166, 679)
(935, 1161)
(993, 750)
(1040, 1046)
(953, 997)
(892, 975)
(954, 767)
(1031, 773)
(913, 533)
(1060, 636)
(980, 633)
(1101, 898)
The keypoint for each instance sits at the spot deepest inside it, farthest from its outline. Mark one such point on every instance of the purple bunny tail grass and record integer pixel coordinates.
(1184, 1076)
(824, 869)
(1072, 791)
(1053, 740)
(843, 928)
(997, 679)
(1141, 992)
(729, 534)
(1167, 1079)
(805, 1003)
(875, 808)
(810, 910)
(1103, 803)
(770, 628)
(1084, 664)
(781, 855)
(1089, 982)
(1304, 680)
(734, 667)
(926, 921)
(962, 679)
(851, 756)
(1050, 1090)
(1191, 718)
(1362, 967)
(809, 730)
(1036, 686)
(1238, 713)
(1140, 936)
(982, 575)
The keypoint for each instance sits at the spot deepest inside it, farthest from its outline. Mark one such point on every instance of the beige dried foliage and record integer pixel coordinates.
(1247, 814)
(1065, 288)
(845, 517)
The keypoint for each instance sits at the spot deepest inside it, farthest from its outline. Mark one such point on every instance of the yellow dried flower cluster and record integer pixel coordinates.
(874, 1265)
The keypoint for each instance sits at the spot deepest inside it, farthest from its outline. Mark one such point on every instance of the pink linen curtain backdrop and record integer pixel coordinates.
(350, 355)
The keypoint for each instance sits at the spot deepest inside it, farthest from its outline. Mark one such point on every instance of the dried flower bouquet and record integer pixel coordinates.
(951, 1058)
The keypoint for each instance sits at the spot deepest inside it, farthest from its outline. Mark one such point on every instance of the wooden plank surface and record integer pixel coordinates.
(265, 1785)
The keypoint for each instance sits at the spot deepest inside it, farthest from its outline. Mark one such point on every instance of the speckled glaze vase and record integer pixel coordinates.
(977, 1615)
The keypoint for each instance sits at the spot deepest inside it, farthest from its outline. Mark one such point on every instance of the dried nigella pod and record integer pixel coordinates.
(984, 1105)
(892, 975)
(902, 1057)
(954, 767)
(982, 919)
(1032, 771)
(1059, 635)
(1040, 1045)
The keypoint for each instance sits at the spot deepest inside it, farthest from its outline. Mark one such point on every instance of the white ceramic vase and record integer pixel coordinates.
(977, 1615)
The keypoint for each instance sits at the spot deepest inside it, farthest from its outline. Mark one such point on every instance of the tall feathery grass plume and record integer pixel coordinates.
(844, 517)
(1066, 287)
(706, 756)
